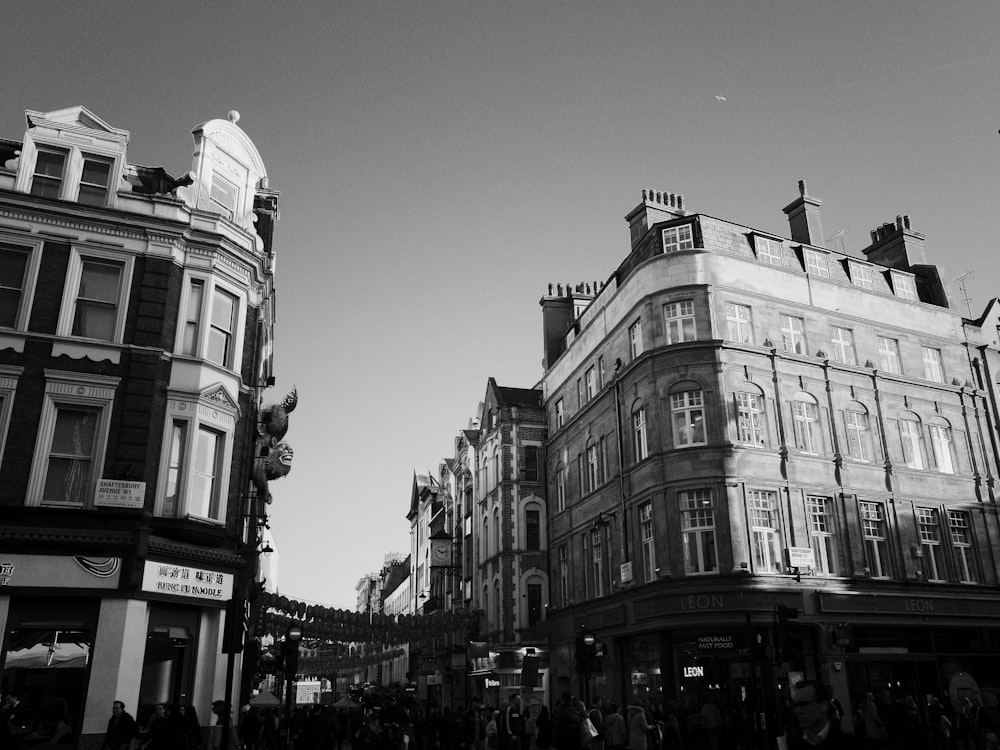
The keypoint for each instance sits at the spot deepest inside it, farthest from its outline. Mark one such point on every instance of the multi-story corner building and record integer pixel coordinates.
(135, 330)
(768, 460)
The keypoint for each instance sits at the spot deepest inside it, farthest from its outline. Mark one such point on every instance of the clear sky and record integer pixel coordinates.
(441, 162)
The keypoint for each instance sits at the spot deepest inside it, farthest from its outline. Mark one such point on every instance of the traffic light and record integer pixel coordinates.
(290, 651)
(783, 614)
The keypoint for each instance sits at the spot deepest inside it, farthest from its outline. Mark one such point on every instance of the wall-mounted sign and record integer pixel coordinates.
(694, 671)
(185, 582)
(716, 642)
(801, 557)
(626, 572)
(489, 682)
(51, 571)
(115, 493)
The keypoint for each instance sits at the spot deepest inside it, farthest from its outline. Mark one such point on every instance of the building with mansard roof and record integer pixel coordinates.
(769, 460)
(136, 319)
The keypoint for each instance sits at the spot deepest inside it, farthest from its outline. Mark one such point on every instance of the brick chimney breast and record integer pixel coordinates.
(897, 245)
(657, 205)
(804, 218)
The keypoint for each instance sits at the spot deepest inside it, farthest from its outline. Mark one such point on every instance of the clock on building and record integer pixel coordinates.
(440, 552)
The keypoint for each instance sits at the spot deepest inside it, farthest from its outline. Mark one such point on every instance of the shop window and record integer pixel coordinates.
(698, 531)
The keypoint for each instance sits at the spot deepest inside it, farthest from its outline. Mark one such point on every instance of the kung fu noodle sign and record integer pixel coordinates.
(185, 582)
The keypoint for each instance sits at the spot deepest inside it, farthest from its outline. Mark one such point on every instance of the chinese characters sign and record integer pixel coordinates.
(189, 583)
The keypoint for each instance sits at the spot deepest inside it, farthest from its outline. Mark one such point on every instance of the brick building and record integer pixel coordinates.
(135, 336)
(768, 460)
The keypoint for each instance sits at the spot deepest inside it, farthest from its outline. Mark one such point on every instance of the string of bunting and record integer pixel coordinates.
(278, 613)
(328, 664)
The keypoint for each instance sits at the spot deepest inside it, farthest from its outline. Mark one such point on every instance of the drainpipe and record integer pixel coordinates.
(621, 458)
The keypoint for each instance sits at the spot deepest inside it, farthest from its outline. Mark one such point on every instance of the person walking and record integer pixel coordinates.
(223, 726)
(815, 728)
(615, 731)
(874, 727)
(566, 724)
(638, 727)
(543, 729)
(16, 718)
(121, 730)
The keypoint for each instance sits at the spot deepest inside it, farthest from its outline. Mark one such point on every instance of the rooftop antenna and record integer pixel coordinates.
(965, 291)
(839, 235)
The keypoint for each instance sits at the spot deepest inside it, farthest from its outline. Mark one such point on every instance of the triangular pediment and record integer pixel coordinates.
(75, 118)
(217, 394)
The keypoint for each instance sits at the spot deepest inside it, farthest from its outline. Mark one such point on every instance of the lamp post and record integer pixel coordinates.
(290, 650)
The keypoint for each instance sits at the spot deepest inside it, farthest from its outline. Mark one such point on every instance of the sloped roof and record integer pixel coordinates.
(517, 396)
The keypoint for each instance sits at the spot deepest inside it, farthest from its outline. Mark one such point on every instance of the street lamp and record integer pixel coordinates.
(290, 650)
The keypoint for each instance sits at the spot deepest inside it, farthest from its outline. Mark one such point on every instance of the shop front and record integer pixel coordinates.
(73, 642)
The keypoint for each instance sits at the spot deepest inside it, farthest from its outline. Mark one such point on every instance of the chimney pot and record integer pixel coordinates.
(644, 195)
(659, 197)
(899, 221)
(874, 234)
(802, 188)
(550, 290)
(906, 221)
(680, 202)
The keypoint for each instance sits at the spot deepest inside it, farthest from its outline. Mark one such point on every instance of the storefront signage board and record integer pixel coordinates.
(51, 571)
(700, 603)
(187, 583)
(115, 493)
(908, 605)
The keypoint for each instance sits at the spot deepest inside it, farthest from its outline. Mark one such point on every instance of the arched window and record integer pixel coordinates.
(858, 432)
(497, 532)
(560, 487)
(485, 604)
(751, 426)
(484, 540)
(532, 523)
(911, 438)
(497, 606)
(534, 605)
(687, 415)
(640, 436)
(805, 424)
(942, 446)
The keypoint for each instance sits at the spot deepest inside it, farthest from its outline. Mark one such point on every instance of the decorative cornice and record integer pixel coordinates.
(106, 540)
(159, 545)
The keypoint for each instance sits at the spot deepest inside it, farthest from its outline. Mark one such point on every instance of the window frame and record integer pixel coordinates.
(961, 534)
(9, 376)
(33, 247)
(793, 340)
(635, 343)
(765, 538)
(71, 178)
(533, 531)
(210, 284)
(862, 275)
(560, 410)
(751, 419)
(942, 444)
(904, 287)
(806, 427)
(912, 442)
(640, 437)
(931, 544)
(647, 538)
(821, 523)
(673, 241)
(769, 250)
(79, 255)
(933, 364)
(596, 539)
(590, 382)
(683, 404)
(739, 329)
(888, 355)
(697, 537)
(213, 409)
(857, 424)
(563, 574)
(842, 343)
(678, 323)
(560, 488)
(71, 389)
(817, 264)
(876, 545)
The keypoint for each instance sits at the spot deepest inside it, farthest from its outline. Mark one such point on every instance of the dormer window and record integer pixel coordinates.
(677, 238)
(94, 181)
(862, 275)
(47, 180)
(768, 250)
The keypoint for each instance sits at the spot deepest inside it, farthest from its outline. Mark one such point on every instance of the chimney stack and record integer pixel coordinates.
(656, 206)
(896, 245)
(804, 219)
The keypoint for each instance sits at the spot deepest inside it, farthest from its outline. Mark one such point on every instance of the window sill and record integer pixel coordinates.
(96, 352)
(13, 341)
